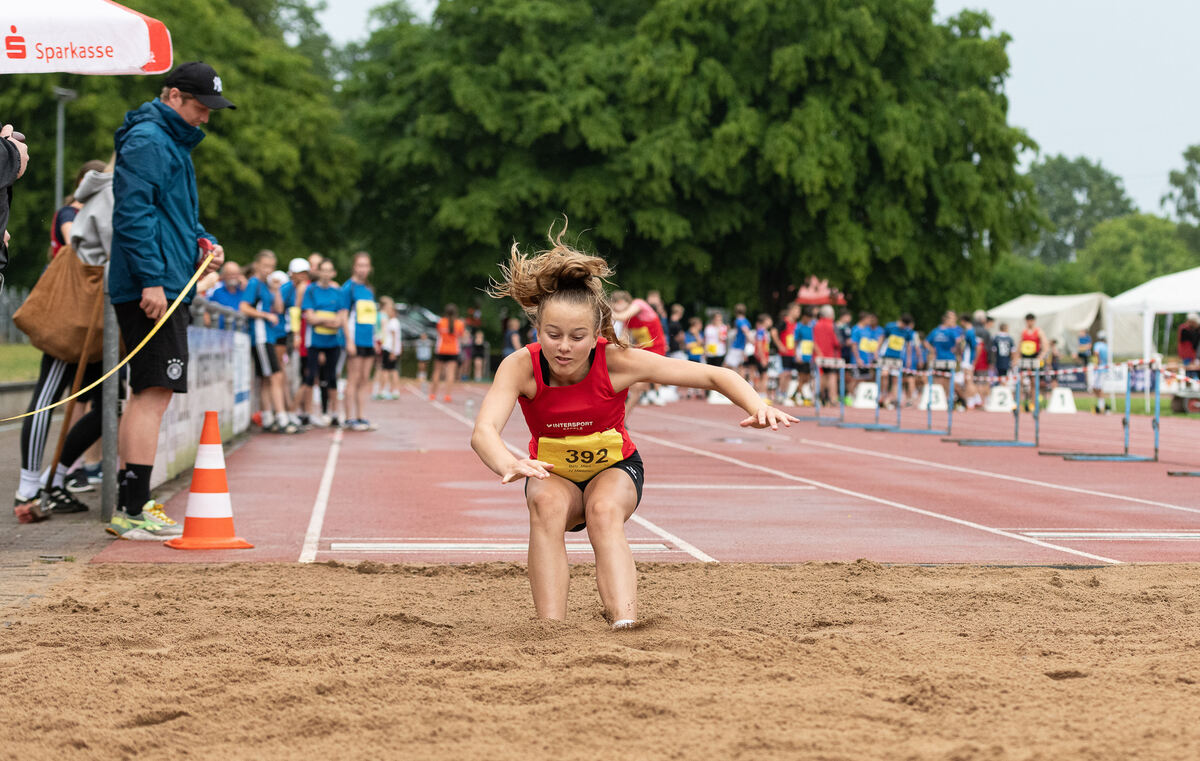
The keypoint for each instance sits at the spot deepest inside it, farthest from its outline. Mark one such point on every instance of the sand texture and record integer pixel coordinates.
(817, 661)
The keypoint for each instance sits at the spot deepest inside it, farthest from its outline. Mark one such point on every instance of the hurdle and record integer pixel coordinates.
(875, 426)
(1124, 456)
(840, 365)
(928, 430)
(1188, 381)
(1015, 441)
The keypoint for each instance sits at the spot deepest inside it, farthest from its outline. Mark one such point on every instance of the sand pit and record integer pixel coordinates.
(831, 661)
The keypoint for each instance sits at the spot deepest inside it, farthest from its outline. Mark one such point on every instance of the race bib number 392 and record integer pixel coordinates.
(578, 458)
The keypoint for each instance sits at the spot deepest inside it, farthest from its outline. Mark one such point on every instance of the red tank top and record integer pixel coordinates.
(1031, 343)
(646, 330)
(584, 409)
(788, 339)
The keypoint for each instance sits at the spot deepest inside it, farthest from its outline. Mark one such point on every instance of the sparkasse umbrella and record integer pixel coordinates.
(81, 37)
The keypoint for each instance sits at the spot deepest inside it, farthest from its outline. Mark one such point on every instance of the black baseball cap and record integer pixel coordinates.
(199, 79)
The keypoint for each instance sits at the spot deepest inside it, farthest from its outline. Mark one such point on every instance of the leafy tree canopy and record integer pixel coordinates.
(1130, 250)
(1075, 195)
(276, 173)
(714, 149)
(1184, 196)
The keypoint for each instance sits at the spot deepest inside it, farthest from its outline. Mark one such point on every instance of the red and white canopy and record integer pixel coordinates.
(81, 37)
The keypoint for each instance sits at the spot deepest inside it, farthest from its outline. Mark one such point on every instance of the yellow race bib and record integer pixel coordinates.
(806, 347)
(1029, 348)
(364, 312)
(789, 341)
(896, 343)
(711, 349)
(868, 345)
(578, 458)
(324, 330)
(641, 337)
(294, 319)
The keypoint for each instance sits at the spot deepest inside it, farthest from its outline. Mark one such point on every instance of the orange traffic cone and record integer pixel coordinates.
(208, 524)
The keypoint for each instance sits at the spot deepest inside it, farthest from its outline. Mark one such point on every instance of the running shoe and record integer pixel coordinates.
(155, 510)
(95, 473)
(77, 481)
(59, 501)
(30, 510)
(446, 398)
(433, 397)
(144, 528)
(363, 425)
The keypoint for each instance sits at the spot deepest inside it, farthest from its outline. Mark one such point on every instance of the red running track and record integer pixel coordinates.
(413, 491)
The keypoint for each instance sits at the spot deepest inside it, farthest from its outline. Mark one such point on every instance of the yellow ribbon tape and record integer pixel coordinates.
(170, 310)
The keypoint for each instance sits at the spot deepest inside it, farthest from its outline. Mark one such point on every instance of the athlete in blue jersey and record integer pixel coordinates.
(741, 334)
(969, 396)
(804, 351)
(895, 346)
(945, 343)
(358, 300)
(323, 311)
(263, 305)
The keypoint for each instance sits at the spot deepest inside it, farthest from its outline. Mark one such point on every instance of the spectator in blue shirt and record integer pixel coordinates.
(228, 292)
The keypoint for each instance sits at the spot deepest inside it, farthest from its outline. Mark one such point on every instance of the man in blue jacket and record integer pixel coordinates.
(155, 251)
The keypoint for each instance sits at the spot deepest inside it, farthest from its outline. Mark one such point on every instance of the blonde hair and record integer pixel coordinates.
(559, 273)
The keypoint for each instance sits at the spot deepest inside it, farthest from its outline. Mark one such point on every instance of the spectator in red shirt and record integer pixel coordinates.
(826, 344)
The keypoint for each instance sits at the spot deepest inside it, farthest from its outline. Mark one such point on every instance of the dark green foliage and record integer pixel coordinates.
(276, 173)
(714, 149)
(1075, 195)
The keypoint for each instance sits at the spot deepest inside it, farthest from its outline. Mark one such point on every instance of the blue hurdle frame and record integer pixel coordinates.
(1124, 456)
(1015, 441)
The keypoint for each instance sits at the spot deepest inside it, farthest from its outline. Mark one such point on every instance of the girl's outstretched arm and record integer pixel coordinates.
(629, 366)
(494, 412)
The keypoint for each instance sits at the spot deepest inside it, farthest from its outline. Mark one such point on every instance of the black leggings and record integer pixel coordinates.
(54, 380)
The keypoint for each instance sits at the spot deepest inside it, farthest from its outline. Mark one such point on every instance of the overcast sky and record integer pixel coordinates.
(1111, 80)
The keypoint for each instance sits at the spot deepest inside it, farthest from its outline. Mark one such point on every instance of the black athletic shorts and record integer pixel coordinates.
(446, 357)
(308, 370)
(757, 364)
(265, 362)
(387, 360)
(162, 362)
(863, 373)
(631, 466)
(363, 351)
(281, 340)
(323, 365)
(788, 363)
(804, 368)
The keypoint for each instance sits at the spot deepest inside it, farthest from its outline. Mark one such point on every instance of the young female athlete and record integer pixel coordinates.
(358, 300)
(581, 469)
(450, 333)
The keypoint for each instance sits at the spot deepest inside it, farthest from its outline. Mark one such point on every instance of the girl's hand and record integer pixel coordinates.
(527, 468)
(769, 417)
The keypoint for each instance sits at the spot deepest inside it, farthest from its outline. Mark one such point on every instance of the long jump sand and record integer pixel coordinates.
(817, 661)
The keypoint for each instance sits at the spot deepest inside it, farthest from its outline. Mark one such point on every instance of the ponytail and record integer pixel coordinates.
(558, 274)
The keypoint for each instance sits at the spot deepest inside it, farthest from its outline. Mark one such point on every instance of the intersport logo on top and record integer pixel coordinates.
(17, 48)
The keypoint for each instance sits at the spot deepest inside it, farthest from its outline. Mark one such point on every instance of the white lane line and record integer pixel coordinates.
(733, 487)
(879, 500)
(475, 547)
(1001, 476)
(687, 547)
(1114, 536)
(308, 552)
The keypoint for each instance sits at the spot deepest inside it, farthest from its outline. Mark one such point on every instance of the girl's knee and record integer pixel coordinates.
(548, 510)
(605, 515)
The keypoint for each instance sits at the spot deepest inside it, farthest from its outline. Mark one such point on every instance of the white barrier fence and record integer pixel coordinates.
(219, 378)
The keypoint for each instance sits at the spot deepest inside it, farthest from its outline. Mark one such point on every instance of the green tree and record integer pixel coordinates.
(276, 173)
(1015, 275)
(1075, 195)
(714, 149)
(1130, 250)
(1184, 196)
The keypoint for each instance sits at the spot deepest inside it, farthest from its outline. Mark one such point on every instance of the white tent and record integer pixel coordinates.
(1169, 294)
(1062, 317)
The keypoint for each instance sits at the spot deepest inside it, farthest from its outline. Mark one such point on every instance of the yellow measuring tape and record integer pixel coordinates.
(170, 310)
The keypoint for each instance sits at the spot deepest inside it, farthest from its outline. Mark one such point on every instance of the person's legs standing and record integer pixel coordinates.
(54, 378)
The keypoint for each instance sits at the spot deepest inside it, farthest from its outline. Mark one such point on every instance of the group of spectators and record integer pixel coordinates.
(780, 357)
(305, 319)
